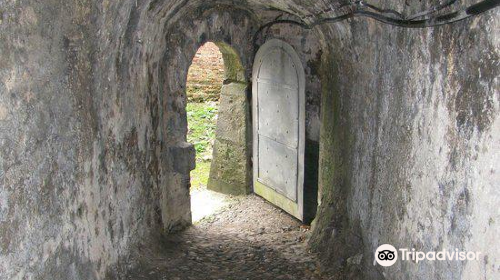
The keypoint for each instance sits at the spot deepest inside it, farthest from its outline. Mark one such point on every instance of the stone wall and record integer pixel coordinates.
(230, 172)
(410, 147)
(92, 128)
(67, 185)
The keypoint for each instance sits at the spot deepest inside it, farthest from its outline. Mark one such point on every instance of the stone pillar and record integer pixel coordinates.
(175, 200)
(230, 170)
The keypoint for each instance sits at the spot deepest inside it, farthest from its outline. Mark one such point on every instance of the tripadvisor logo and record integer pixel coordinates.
(387, 255)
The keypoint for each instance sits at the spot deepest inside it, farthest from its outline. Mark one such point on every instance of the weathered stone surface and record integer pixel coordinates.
(92, 98)
(230, 170)
(184, 157)
(410, 146)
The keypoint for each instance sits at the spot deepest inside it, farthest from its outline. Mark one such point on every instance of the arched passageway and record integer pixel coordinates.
(402, 132)
(248, 236)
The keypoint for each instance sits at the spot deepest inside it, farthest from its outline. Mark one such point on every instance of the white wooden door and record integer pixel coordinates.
(278, 126)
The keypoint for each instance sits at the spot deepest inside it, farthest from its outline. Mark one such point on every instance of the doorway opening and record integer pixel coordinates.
(249, 235)
(218, 125)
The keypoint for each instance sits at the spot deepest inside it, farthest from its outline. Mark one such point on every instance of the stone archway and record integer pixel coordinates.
(179, 158)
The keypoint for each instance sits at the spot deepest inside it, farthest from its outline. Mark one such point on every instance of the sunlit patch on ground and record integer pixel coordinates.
(205, 203)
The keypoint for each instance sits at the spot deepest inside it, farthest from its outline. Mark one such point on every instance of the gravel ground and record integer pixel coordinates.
(248, 239)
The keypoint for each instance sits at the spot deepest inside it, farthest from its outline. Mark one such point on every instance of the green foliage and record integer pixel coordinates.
(199, 176)
(202, 121)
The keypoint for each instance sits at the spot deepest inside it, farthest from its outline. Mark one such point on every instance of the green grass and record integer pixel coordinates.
(202, 123)
(199, 176)
(202, 120)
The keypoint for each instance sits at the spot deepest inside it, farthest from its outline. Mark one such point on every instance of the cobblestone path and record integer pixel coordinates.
(249, 239)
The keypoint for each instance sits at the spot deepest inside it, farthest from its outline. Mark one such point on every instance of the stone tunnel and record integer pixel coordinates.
(398, 131)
